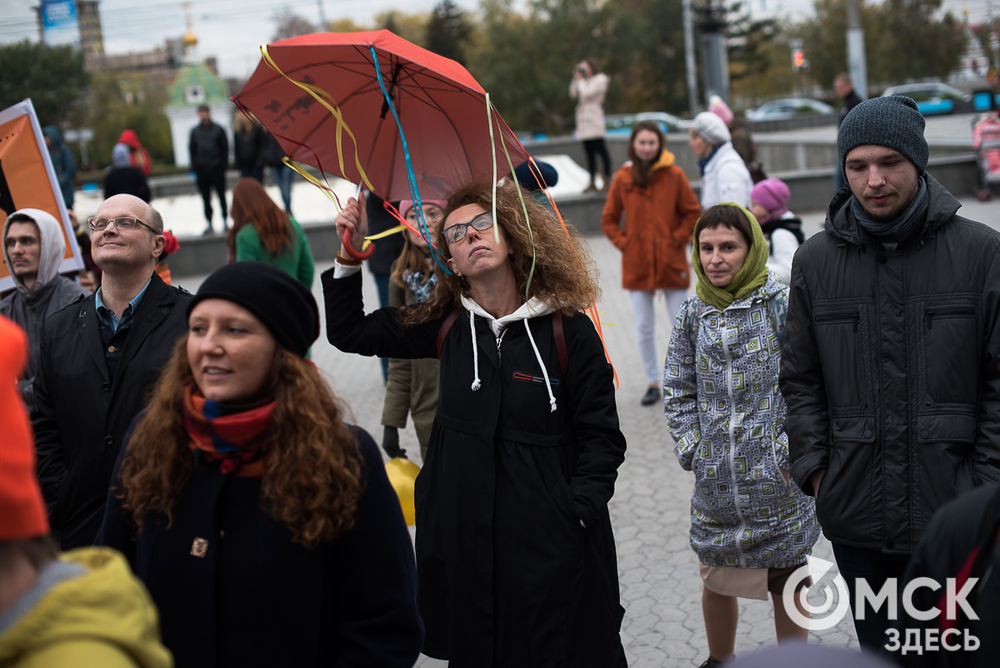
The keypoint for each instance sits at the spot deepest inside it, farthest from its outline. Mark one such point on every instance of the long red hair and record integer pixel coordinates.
(253, 206)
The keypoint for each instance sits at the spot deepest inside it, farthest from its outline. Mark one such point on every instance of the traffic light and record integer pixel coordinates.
(798, 54)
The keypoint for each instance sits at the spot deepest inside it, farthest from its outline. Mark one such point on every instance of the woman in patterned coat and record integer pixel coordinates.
(750, 526)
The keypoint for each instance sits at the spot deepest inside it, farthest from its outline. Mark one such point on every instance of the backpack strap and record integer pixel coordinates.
(560, 339)
(445, 328)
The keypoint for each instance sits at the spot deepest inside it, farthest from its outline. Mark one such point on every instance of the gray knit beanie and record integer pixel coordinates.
(893, 122)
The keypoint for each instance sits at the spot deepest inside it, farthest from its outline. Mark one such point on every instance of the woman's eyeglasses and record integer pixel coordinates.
(121, 223)
(455, 233)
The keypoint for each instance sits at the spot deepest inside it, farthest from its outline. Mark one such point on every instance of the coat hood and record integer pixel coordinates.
(120, 155)
(52, 251)
(840, 222)
(130, 138)
(87, 600)
(53, 133)
(532, 308)
(665, 160)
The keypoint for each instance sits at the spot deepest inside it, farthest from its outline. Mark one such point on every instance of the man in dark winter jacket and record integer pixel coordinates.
(209, 151)
(844, 88)
(33, 250)
(100, 357)
(889, 364)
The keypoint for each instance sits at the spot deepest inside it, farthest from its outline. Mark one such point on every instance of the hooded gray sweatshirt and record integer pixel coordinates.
(30, 308)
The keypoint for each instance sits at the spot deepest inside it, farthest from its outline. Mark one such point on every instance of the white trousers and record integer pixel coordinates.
(645, 328)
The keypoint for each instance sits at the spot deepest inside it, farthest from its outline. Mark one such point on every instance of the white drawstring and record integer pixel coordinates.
(476, 384)
(545, 373)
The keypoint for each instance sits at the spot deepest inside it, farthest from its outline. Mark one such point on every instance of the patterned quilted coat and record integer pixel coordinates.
(725, 413)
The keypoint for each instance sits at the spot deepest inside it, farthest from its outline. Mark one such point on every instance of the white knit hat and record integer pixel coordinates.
(712, 128)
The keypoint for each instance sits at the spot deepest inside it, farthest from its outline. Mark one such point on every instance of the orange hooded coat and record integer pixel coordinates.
(659, 222)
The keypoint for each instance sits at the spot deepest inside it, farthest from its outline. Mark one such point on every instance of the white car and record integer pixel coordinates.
(788, 107)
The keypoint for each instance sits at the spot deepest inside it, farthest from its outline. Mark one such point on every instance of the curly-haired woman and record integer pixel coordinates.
(515, 553)
(262, 231)
(262, 524)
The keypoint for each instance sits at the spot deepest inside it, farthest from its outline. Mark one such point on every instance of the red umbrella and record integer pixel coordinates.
(441, 109)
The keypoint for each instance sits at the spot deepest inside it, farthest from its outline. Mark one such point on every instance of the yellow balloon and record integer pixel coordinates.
(402, 472)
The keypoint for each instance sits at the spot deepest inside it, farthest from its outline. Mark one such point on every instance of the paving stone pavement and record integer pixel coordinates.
(660, 586)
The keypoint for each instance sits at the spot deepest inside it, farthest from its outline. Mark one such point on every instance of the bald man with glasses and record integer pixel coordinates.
(100, 358)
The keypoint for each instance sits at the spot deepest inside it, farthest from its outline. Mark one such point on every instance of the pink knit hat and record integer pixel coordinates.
(407, 204)
(772, 194)
(719, 107)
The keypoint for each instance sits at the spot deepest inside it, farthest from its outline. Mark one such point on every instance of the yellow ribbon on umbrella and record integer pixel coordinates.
(322, 96)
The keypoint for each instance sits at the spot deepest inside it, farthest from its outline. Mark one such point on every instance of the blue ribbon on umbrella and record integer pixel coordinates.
(410, 176)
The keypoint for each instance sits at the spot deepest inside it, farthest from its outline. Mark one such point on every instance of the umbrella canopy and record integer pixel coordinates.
(441, 108)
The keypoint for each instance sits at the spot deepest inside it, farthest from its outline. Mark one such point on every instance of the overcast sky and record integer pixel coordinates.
(233, 30)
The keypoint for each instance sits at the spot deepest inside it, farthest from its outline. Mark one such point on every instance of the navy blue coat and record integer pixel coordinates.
(255, 598)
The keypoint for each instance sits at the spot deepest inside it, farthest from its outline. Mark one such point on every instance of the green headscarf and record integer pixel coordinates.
(751, 275)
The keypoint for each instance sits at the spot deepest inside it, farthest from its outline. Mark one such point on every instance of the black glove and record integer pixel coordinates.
(390, 442)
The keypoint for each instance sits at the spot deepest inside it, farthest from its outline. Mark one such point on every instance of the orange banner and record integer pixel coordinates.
(27, 179)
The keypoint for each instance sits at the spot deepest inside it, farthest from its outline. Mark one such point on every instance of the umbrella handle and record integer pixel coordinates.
(345, 241)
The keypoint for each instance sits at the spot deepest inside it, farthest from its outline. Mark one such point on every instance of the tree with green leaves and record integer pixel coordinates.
(759, 62)
(644, 43)
(448, 30)
(53, 77)
(118, 102)
(912, 42)
(904, 40)
(289, 24)
(412, 27)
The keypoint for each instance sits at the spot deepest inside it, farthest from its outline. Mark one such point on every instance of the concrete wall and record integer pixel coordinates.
(811, 191)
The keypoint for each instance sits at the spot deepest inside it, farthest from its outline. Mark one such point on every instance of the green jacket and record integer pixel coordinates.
(296, 260)
(87, 610)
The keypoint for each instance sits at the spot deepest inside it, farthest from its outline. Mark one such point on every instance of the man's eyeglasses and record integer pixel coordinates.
(121, 223)
(455, 233)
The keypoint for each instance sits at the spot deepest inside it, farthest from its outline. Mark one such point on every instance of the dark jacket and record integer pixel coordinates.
(29, 310)
(128, 181)
(271, 153)
(889, 370)
(388, 248)
(80, 414)
(247, 148)
(961, 542)
(208, 148)
(849, 101)
(508, 575)
(256, 598)
(62, 163)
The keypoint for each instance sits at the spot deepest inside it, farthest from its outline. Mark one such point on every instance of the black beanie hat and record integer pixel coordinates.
(893, 122)
(279, 301)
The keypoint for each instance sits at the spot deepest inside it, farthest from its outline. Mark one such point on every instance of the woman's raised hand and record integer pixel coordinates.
(352, 221)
